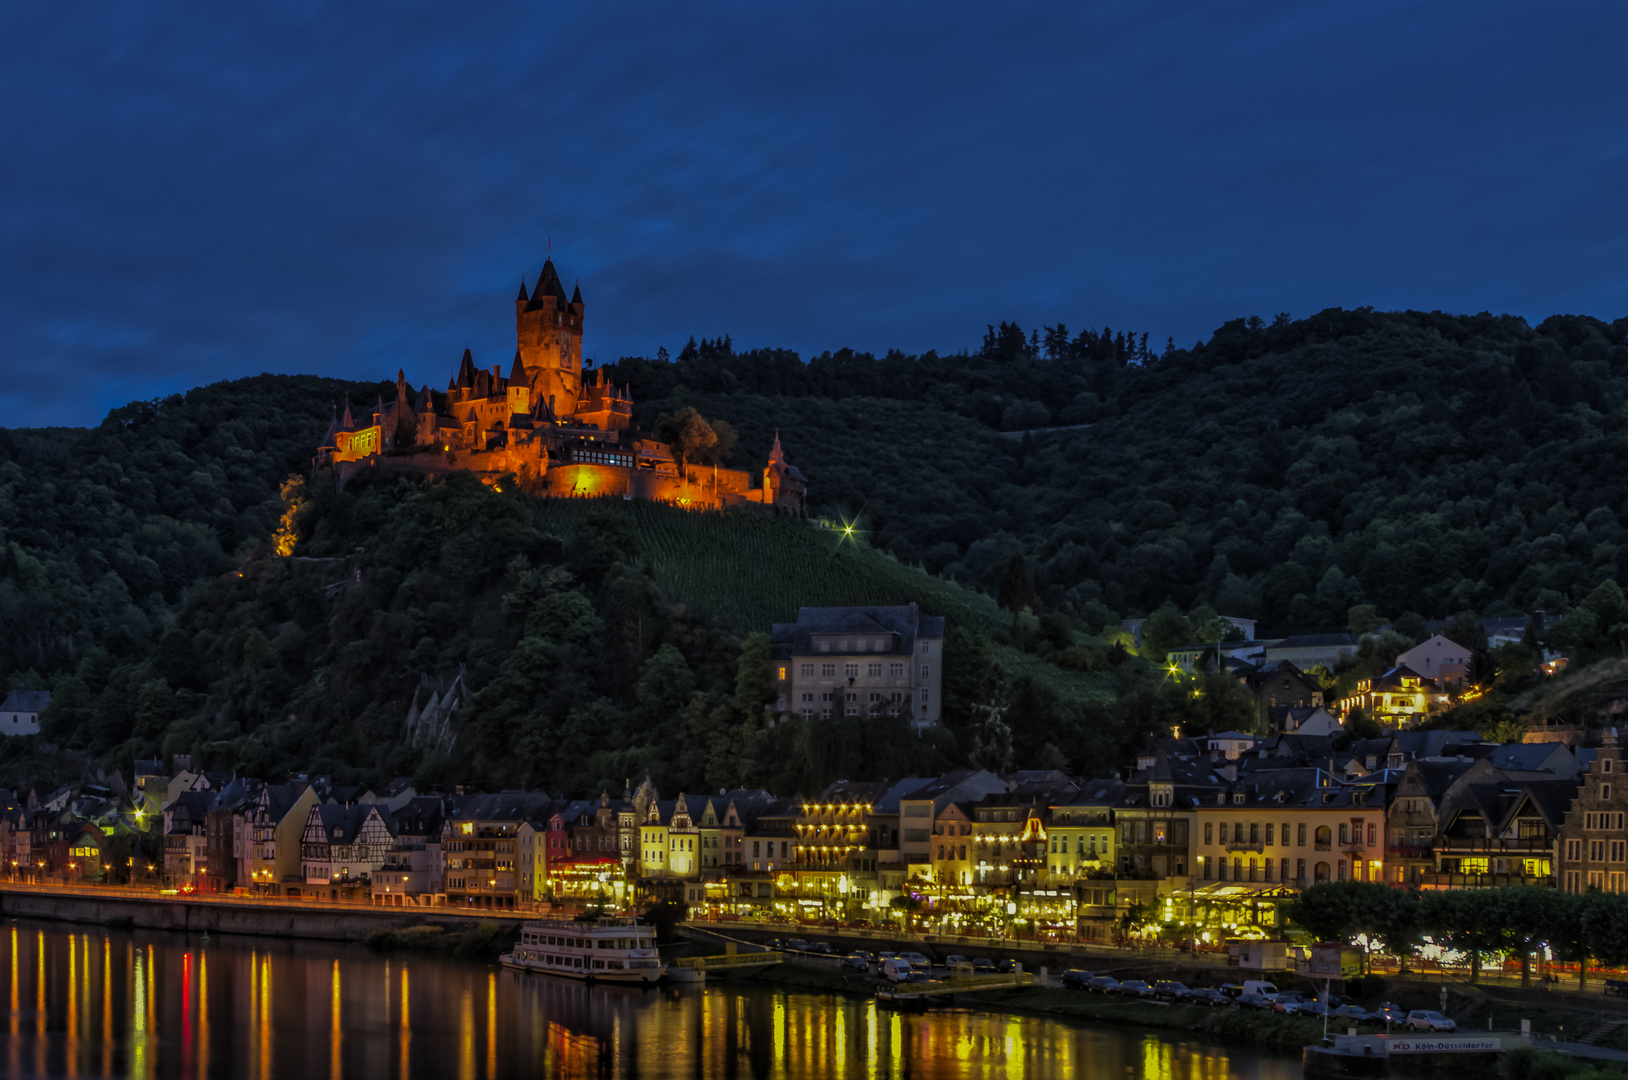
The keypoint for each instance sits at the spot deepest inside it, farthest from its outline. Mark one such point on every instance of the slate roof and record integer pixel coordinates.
(903, 621)
(510, 806)
(26, 701)
(1315, 641)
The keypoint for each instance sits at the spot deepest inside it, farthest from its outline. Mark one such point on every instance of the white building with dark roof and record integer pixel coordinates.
(20, 712)
(859, 661)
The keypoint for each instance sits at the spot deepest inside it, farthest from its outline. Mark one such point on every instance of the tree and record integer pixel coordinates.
(692, 439)
(1163, 631)
(1465, 630)
(1017, 586)
(1363, 619)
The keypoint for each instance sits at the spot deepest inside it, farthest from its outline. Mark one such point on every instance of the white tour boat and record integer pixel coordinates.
(609, 949)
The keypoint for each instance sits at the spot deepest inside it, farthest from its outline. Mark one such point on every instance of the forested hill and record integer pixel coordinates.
(1285, 471)
(1421, 463)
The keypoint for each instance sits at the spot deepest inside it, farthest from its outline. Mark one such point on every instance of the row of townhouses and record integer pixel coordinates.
(1215, 832)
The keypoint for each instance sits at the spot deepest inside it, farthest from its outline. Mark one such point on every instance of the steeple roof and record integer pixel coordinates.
(347, 424)
(548, 284)
(517, 373)
(776, 457)
(576, 293)
(522, 298)
(466, 371)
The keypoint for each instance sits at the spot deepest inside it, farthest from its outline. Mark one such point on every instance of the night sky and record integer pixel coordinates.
(354, 188)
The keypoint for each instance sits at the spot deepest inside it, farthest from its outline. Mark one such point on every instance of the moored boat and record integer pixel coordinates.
(608, 949)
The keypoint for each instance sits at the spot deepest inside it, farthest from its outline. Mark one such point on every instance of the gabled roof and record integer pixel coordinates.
(26, 701)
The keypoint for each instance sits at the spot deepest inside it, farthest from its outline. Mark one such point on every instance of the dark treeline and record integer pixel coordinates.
(1486, 924)
(1286, 471)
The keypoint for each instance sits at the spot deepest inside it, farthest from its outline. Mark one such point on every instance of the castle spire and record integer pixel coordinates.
(576, 293)
(517, 373)
(522, 298)
(347, 424)
(466, 371)
(775, 455)
(548, 284)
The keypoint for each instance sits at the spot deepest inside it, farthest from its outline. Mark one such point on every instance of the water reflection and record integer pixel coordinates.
(93, 1003)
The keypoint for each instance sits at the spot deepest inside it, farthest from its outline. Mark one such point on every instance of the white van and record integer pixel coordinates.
(896, 970)
(1261, 987)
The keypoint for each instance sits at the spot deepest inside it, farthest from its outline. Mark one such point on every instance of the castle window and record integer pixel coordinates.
(806, 670)
(825, 646)
(895, 671)
(926, 672)
(925, 648)
(850, 671)
(873, 671)
(828, 671)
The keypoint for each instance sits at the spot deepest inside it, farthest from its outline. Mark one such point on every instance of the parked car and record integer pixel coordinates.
(1252, 1001)
(1355, 1013)
(1231, 990)
(983, 966)
(1103, 984)
(1207, 996)
(1430, 1020)
(1135, 988)
(797, 944)
(896, 970)
(955, 960)
(1291, 1002)
(917, 960)
(1391, 1013)
(1261, 987)
(919, 977)
(1006, 967)
(1312, 1008)
(1076, 979)
(1170, 990)
(859, 961)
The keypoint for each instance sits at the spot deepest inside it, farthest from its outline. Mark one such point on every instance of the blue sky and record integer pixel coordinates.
(190, 192)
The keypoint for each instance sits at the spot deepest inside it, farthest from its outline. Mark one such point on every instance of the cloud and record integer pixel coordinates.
(188, 195)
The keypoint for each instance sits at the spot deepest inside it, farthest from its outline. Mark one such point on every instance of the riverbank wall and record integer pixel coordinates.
(220, 916)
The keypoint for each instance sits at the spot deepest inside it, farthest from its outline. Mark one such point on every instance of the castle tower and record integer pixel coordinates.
(549, 332)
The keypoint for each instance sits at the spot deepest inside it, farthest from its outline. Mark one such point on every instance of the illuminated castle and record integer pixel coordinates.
(556, 429)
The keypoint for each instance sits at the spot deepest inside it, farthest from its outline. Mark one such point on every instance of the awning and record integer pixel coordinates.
(1229, 891)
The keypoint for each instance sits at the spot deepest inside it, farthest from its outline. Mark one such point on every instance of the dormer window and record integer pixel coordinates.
(1238, 799)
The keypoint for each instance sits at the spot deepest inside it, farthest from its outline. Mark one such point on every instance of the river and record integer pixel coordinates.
(92, 1002)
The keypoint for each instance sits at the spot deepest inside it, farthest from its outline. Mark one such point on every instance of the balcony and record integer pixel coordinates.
(1421, 850)
(1442, 880)
(1493, 844)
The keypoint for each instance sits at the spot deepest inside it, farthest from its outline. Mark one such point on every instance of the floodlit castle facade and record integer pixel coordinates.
(555, 428)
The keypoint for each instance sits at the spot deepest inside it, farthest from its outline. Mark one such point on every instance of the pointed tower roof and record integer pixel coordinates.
(522, 298)
(548, 284)
(576, 293)
(347, 424)
(466, 371)
(517, 373)
(425, 403)
(776, 456)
